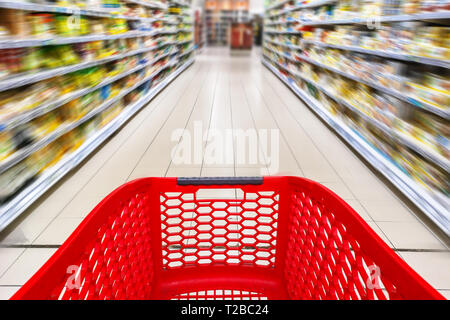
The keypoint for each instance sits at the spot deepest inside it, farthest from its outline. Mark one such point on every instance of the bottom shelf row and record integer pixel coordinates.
(27, 181)
(405, 170)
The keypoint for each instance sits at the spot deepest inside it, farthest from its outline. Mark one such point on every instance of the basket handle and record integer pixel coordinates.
(207, 181)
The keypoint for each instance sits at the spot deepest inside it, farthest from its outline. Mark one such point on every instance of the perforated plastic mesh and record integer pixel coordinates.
(118, 264)
(318, 257)
(221, 295)
(324, 261)
(238, 231)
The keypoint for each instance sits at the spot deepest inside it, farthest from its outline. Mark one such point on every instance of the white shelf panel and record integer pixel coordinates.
(38, 42)
(313, 4)
(152, 4)
(385, 54)
(277, 4)
(444, 15)
(30, 6)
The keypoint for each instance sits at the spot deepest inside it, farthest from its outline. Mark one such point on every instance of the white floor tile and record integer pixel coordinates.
(445, 293)
(340, 189)
(7, 257)
(320, 175)
(184, 172)
(256, 171)
(6, 292)
(410, 235)
(387, 210)
(81, 206)
(380, 233)
(26, 230)
(144, 172)
(432, 266)
(359, 209)
(25, 266)
(58, 231)
(217, 172)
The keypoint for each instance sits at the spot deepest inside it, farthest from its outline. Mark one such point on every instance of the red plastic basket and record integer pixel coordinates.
(225, 238)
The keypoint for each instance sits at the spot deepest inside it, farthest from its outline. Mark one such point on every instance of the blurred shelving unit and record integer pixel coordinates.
(71, 76)
(219, 14)
(199, 29)
(378, 74)
(219, 23)
(184, 16)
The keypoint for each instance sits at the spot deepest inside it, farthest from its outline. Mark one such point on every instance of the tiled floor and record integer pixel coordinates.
(222, 92)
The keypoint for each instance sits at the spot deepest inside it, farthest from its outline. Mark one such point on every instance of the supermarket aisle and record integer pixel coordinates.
(224, 93)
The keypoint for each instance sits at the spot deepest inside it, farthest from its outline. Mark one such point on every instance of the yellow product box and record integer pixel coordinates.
(436, 97)
(6, 145)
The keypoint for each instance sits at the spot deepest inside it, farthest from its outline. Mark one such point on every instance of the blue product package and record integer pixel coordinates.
(147, 86)
(105, 91)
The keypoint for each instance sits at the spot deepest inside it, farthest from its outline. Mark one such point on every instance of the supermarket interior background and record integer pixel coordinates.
(353, 94)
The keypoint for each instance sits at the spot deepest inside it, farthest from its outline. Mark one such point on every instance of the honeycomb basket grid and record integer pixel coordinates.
(118, 263)
(221, 294)
(240, 232)
(324, 261)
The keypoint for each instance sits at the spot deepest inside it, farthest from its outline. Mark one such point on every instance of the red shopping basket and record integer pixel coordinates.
(225, 238)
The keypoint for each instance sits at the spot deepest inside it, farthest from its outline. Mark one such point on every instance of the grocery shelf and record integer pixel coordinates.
(282, 32)
(171, 22)
(185, 30)
(21, 154)
(179, 3)
(32, 77)
(169, 31)
(443, 15)
(277, 23)
(435, 208)
(37, 42)
(401, 138)
(30, 6)
(290, 46)
(313, 4)
(399, 95)
(46, 107)
(187, 52)
(411, 100)
(184, 41)
(284, 55)
(385, 54)
(277, 4)
(153, 5)
(18, 204)
(426, 152)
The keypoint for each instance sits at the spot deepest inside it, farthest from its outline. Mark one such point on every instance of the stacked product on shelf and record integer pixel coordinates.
(378, 73)
(185, 24)
(72, 73)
